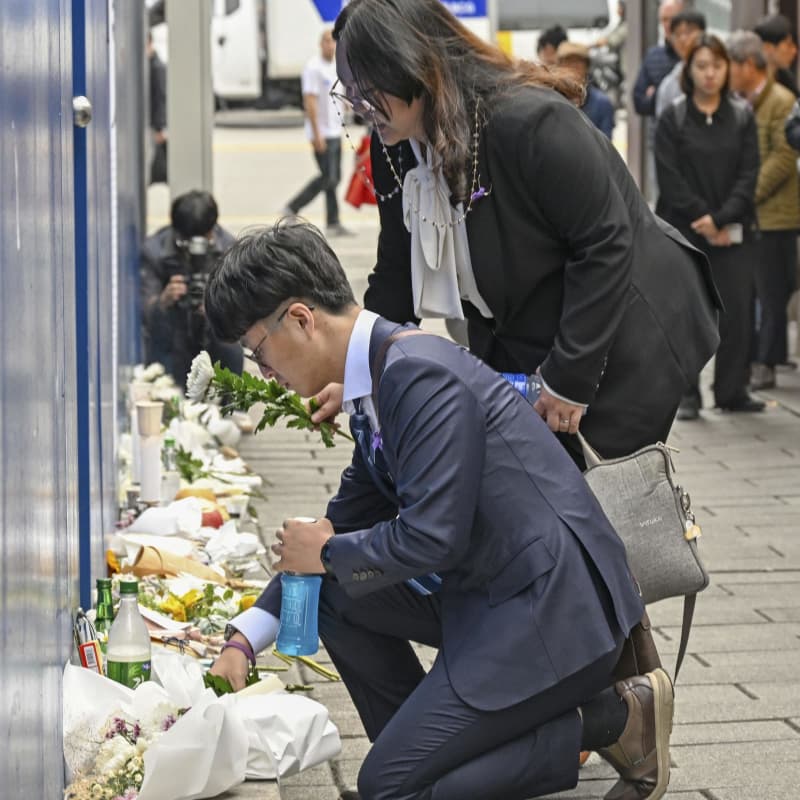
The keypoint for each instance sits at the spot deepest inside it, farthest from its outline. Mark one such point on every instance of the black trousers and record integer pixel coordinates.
(774, 278)
(428, 743)
(734, 270)
(330, 169)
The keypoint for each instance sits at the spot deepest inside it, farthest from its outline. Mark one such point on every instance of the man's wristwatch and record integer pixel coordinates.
(229, 631)
(324, 557)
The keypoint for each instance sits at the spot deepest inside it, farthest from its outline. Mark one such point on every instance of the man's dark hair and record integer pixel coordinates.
(693, 18)
(774, 29)
(553, 37)
(194, 214)
(269, 266)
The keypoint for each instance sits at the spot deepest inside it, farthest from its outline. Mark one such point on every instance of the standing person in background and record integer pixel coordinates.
(324, 131)
(500, 204)
(596, 104)
(547, 46)
(158, 113)
(657, 63)
(684, 28)
(707, 161)
(615, 39)
(780, 49)
(777, 202)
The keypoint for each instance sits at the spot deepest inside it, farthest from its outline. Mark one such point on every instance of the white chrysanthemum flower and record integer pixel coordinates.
(152, 371)
(114, 754)
(199, 378)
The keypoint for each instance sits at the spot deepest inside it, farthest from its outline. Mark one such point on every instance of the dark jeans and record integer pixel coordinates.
(733, 269)
(330, 167)
(428, 743)
(774, 278)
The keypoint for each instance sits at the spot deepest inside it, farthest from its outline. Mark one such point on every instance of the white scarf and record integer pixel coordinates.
(441, 267)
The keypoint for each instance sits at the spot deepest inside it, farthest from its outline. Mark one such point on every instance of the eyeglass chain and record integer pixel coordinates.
(476, 191)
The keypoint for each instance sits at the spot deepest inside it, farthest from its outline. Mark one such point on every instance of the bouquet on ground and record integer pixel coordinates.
(207, 381)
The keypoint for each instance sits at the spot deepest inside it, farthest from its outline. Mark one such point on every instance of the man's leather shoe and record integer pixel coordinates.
(641, 754)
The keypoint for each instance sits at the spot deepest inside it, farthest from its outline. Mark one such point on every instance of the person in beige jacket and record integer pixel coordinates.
(777, 202)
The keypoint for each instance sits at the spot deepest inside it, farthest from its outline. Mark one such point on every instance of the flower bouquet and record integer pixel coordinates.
(207, 381)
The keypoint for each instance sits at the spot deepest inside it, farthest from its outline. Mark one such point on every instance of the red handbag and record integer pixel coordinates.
(360, 190)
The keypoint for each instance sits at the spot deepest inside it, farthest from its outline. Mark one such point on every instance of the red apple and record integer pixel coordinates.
(212, 519)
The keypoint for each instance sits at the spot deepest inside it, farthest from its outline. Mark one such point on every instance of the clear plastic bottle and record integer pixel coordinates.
(104, 616)
(128, 648)
(529, 386)
(170, 477)
(298, 634)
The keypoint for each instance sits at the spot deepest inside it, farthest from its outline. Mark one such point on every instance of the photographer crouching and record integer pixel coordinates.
(176, 261)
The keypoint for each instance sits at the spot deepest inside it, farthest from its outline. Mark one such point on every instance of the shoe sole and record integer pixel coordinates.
(663, 701)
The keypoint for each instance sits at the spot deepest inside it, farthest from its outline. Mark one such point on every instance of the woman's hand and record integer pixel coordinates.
(330, 403)
(299, 545)
(232, 664)
(560, 416)
(705, 226)
(722, 239)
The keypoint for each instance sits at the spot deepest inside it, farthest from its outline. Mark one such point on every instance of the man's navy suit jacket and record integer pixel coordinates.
(488, 498)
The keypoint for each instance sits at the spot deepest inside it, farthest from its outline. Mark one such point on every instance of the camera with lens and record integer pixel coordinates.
(197, 257)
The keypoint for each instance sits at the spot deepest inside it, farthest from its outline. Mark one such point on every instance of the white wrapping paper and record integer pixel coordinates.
(214, 746)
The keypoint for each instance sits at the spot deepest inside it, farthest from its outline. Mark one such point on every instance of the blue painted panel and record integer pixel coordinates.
(38, 519)
(329, 9)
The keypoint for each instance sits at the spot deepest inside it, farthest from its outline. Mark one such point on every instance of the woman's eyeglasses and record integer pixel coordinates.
(359, 104)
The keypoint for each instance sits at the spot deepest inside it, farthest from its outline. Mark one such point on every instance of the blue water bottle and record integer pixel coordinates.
(298, 634)
(529, 386)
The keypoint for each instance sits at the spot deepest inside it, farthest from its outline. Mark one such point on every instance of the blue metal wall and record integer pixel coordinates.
(68, 318)
(38, 442)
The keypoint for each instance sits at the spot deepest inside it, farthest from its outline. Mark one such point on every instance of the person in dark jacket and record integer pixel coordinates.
(596, 104)
(460, 523)
(158, 112)
(780, 49)
(707, 160)
(657, 63)
(176, 262)
(501, 203)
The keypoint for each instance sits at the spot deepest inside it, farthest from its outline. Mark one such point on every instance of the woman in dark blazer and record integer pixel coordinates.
(543, 238)
(707, 162)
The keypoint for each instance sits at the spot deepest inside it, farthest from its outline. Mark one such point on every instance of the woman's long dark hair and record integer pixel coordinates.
(717, 49)
(417, 48)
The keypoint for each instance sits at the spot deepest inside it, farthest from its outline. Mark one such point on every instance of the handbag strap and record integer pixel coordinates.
(590, 455)
(593, 458)
(686, 627)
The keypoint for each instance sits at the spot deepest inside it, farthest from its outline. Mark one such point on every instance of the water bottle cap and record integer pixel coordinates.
(169, 441)
(129, 586)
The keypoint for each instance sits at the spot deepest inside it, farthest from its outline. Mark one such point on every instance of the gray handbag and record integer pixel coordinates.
(653, 517)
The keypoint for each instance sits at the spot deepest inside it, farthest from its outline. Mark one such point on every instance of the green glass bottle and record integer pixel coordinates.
(105, 614)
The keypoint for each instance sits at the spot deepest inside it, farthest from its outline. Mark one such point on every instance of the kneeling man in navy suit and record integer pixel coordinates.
(461, 523)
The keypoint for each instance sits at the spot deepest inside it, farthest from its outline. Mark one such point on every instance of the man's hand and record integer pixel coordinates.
(649, 91)
(159, 137)
(173, 291)
(560, 416)
(705, 226)
(320, 145)
(330, 403)
(299, 545)
(232, 664)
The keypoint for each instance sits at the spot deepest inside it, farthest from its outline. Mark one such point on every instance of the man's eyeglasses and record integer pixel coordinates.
(254, 355)
(359, 104)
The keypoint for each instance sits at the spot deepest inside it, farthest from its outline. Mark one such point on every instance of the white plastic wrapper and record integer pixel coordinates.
(214, 746)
